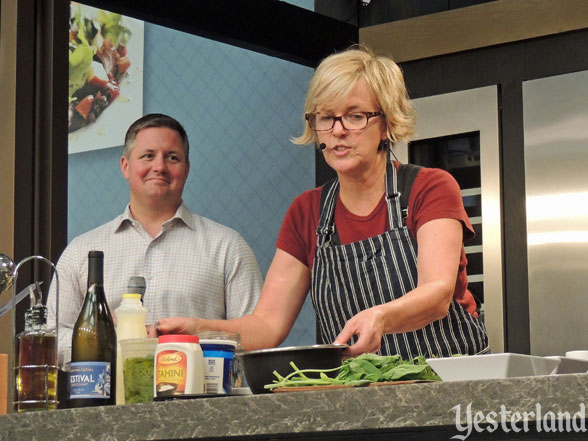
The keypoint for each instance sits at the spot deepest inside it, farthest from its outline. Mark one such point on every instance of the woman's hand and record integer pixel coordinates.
(174, 325)
(369, 325)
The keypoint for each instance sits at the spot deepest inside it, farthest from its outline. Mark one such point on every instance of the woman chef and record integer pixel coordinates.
(378, 280)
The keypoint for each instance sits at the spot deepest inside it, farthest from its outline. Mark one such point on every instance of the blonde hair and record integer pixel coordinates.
(336, 76)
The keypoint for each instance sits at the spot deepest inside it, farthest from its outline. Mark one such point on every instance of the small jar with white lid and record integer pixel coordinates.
(218, 366)
(178, 366)
(229, 354)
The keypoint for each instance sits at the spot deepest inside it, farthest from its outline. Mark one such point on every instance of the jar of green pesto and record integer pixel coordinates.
(138, 357)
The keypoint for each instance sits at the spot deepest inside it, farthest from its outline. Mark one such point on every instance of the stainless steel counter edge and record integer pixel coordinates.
(372, 409)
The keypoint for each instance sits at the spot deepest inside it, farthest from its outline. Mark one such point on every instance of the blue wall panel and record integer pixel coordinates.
(240, 109)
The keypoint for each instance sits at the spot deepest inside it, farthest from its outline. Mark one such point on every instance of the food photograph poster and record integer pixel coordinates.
(105, 77)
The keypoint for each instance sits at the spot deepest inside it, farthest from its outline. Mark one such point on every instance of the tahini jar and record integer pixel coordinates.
(178, 366)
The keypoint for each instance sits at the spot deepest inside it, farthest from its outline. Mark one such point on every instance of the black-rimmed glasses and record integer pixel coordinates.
(322, 122)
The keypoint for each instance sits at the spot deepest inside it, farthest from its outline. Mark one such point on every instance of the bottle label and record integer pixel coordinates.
(218, 373)
(170, 373)
(89, 379)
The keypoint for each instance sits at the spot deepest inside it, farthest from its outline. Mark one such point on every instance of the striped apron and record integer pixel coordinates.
(347, 279)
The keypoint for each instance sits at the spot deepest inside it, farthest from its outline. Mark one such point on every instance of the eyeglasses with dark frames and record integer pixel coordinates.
(322, 122)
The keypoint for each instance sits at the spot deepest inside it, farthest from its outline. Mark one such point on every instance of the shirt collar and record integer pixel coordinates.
(182, 214)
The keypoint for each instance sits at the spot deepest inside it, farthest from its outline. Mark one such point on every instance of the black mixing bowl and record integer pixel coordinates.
(259, 365)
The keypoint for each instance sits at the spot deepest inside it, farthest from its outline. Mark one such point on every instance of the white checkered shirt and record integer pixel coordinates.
(194, 268)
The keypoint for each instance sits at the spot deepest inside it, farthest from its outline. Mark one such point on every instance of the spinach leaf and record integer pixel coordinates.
(360, 371)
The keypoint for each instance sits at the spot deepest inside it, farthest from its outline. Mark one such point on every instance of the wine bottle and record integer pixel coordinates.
(92, 379)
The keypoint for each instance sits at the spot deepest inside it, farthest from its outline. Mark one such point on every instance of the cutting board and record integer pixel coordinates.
(343, 386)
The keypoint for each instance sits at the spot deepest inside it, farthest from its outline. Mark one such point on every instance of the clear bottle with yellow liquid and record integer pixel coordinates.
(130, 323)
(36, 352)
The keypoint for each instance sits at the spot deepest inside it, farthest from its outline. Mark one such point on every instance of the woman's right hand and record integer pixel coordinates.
(369, 325)
(174, 325)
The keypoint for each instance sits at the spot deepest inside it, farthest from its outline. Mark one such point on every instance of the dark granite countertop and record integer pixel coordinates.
(395, 411)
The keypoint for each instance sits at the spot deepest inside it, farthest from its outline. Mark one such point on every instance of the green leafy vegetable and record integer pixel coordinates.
(86, 37)
(112, 28)
(80, 61)
(359, 371)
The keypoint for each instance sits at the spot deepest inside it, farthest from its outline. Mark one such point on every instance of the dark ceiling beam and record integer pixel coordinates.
(271, 27)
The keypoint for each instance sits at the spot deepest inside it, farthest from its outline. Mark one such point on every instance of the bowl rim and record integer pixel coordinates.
(294, 348)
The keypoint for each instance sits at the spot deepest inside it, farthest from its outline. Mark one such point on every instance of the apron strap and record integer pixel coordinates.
(398, 186)
(392, 195)
(326, 226)
(407, 173)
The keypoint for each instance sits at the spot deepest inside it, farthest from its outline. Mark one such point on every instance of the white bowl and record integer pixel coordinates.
(569, 365)
(492, 366)
(577, 355)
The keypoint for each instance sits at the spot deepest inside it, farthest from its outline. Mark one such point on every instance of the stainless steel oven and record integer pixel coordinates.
(459, 132)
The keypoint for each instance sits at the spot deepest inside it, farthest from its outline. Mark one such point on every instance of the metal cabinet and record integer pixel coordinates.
(555, 112)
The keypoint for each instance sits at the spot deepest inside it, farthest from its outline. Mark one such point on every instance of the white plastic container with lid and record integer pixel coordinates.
(179, 366)
(219, 356)
(130, 323)
(228, 355)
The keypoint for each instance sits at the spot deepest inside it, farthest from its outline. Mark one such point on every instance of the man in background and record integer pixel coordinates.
(193, 267)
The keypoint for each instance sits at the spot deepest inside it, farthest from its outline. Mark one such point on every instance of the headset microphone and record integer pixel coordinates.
(322, 146)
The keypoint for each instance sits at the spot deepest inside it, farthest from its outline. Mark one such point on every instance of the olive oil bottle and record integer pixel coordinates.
(36, 352)
(92, 379)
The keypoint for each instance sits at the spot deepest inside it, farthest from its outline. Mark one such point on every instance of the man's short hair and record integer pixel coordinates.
(155, 120)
